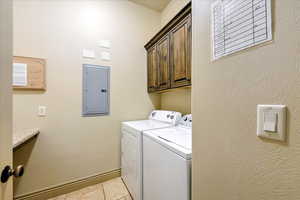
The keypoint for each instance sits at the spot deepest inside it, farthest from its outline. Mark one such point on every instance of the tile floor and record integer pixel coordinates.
(110, 190)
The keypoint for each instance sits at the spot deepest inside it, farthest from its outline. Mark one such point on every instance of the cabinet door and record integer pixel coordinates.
(163, 63)
(180, 54)
(152, 70)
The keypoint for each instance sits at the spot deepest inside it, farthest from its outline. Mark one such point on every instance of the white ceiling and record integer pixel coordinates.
(157, 5)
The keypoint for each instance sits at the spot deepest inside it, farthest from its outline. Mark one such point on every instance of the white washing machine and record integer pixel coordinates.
(167, 155)
(131, 147)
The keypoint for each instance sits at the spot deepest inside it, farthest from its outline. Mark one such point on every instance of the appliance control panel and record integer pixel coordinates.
(171, 117)
(186, 120)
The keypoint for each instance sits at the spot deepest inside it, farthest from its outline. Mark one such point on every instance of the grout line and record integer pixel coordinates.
(104, 195)
(101, 191)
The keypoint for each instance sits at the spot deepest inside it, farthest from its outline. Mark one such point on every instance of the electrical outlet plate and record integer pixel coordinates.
(271, 122)
(42, 111)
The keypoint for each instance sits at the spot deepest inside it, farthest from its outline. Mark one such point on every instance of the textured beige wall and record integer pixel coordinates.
(70, 146)
(179, 99)
(5, 93)
(171, 10)
(229, 161)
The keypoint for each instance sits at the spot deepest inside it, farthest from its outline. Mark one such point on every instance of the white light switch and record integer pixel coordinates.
(271, 121)
(42, 111)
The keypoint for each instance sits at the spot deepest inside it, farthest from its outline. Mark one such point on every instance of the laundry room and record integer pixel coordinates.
(149, 99)
(88, 70)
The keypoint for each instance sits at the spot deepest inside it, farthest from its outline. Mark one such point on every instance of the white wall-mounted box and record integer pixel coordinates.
(88, 53)
(104, 44)
(105, 56)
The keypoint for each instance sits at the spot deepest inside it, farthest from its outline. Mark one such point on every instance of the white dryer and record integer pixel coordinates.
(167, 155)
(131, 147)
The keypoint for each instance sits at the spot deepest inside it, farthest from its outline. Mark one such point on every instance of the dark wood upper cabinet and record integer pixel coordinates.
(152, 70)
(169, 54)
(163, 63)
(180, 54)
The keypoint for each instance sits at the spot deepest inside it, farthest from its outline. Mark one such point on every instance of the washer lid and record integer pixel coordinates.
(178, 139)
(143, 125)
(182, 140)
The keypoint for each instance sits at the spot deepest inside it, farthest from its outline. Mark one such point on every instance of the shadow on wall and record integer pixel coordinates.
(177, 99)
(21, 157)
(156, 100)
(28, 92)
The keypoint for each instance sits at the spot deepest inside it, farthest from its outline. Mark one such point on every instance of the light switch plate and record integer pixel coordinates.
(42, 111)
(271, 122)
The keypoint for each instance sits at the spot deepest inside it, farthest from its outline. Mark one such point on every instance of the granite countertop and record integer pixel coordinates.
(19, 137)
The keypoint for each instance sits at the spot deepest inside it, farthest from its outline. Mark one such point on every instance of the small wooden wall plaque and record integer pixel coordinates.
(36, 73)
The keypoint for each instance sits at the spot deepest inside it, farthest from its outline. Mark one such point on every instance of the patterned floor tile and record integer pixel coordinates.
(110, 190)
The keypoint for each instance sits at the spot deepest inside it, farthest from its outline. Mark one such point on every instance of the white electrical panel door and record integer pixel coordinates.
(95, 90)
